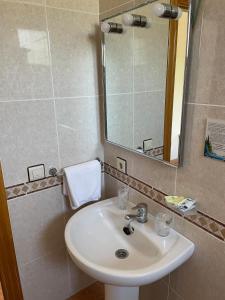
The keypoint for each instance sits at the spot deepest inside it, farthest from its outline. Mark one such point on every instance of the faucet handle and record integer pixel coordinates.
(141, 206)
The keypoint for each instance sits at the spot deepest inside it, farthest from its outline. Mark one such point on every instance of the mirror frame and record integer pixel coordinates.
(193, 10)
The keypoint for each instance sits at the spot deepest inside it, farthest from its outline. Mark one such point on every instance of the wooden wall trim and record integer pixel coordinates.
(171, 68)
(170, 81)
(9, 274)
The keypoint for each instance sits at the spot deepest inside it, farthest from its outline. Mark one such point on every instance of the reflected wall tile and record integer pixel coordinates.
(202, 276)
(110, 4)
(27, 128)
(202, 178)
(210, 75)
(150, 58)
(116, 10)
(90, 6)
(37, 223)
(79, 130)
(46, 278)
(149, 118)
(24, 64)
(119, 61)
(120, 119)
(74, 52)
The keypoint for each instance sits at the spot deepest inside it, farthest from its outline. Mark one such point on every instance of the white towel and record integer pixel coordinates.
(82, 183)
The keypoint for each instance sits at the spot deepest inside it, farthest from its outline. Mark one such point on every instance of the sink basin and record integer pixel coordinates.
(95, 233)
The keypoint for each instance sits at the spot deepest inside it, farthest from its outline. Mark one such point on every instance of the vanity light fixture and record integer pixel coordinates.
(136, 20)
(110, 27)
(167, 11)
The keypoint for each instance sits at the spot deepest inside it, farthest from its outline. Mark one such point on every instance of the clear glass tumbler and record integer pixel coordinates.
(123, 196)
(162, 224)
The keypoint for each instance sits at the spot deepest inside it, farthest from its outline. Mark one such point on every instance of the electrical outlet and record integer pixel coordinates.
(121, 165)
(36, 172)
(147, 145)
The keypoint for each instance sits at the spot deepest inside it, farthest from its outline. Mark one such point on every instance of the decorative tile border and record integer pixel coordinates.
(155, 151)
(31, 187)
(207, 223)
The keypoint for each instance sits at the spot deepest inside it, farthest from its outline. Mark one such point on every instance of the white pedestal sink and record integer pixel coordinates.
(95, 233)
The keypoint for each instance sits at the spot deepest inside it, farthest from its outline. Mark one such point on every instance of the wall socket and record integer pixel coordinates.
(36, 172)
(121, 165)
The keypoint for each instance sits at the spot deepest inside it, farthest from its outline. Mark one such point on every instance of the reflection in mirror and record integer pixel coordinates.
(144, 67)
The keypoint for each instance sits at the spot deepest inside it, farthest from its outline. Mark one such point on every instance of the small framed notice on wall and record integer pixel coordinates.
(215, 139)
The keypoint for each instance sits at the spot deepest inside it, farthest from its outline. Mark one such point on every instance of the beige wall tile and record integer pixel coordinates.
(27, 137)
(78, 279)
(105, 5)
(157, 290)
(154, 173)
(202, 277)
(79, 130)
(25, 63)
(46, 278)
(111, 152)
(202, 178)
(90, 6)
(38, 224)
(112, 187)
(210, 74)
(74, 44)
(173, 295)
(115, 10)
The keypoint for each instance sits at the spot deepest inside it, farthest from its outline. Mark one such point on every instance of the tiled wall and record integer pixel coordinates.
(49, 113)
(202, 277)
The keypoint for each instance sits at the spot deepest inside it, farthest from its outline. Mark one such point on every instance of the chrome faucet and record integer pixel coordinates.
(142, 213)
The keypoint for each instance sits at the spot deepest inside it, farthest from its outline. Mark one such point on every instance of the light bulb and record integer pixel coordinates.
(164, 10)
(110, 27)
(105, 27)
(128, 19)
(158, 9)
(136, 20)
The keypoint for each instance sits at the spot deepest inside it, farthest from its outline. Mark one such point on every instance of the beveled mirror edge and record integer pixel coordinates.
(193, 14)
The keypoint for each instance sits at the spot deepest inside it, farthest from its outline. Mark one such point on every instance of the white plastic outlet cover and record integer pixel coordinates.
(121, 164)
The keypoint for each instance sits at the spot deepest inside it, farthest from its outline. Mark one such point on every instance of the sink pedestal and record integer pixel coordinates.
(121, 293)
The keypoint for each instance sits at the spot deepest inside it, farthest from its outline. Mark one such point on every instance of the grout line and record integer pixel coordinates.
(49, 6)
(73, 10)
(111, 9)
(168, 290)
(175, 183)
(53, 89)
(133, 82)
(24, 2)
(134, 92)
(206, 104)
(47, 99)
(49, 253)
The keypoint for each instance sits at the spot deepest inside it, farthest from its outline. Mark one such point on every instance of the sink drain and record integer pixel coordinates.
(121, 253)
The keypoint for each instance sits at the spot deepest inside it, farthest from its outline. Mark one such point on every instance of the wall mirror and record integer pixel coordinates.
(145, 58)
